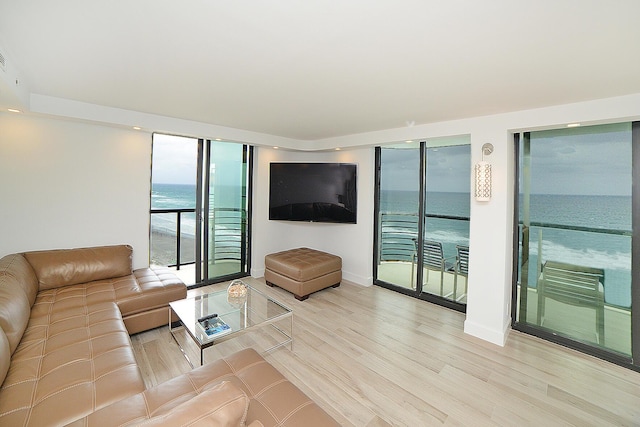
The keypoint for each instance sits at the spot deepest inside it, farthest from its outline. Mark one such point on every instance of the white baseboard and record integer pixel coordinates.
(353, 278)
(498, 337)
(257, 272)
(357, 279)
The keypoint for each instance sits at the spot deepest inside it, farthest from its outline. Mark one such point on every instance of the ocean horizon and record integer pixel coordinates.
(595, 249)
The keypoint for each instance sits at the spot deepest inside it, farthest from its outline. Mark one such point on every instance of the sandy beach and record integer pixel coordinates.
(163, 248)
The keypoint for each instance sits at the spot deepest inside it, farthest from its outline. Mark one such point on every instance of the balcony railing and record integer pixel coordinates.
(398, 233)
(226, 236)
(601, 252)
(171, 230)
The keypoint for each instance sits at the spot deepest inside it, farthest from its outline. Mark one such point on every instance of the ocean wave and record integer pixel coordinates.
(591, 257)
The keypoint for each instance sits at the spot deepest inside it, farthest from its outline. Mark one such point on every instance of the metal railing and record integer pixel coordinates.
(398, 233)
(580, 228)
(227, 228)
(528, 276)
(178, 232)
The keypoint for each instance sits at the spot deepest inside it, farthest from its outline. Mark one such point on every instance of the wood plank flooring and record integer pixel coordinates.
(372, 357)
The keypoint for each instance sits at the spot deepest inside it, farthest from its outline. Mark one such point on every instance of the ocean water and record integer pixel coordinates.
(601, 250)
(183, 196)
(449, 232)
(173, 196)
(595, 249)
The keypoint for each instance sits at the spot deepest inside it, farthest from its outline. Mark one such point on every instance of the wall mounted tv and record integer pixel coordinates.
(314, 192)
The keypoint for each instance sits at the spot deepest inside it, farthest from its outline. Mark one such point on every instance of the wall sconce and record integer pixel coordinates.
(483, 176)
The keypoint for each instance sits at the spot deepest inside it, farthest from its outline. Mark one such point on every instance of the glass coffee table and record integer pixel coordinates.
(258, 309)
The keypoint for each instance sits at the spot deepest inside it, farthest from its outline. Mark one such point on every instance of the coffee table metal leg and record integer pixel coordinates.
(178, 343)
(289, 336)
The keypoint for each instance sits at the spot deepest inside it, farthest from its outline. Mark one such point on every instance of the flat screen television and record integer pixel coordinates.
(314, 192)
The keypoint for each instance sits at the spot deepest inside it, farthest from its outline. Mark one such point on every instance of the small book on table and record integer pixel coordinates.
(213, 327)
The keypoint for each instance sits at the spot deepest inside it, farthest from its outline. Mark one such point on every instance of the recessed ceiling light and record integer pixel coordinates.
(218, 139)
(408, 141)
(573, 125)
(137, 128)
(13, 110)
(275, 148)
(338, 149)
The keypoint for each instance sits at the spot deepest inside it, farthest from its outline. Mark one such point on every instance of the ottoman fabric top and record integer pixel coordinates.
(303, 263)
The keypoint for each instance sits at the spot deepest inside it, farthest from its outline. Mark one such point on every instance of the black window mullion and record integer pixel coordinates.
(635, 244)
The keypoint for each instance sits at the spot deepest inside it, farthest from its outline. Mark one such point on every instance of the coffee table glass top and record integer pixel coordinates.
(257, 309)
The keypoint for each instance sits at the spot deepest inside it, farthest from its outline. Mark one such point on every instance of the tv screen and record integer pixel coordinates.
(315, 192)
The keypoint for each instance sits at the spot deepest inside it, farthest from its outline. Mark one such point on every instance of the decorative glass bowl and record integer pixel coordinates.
(237, 293)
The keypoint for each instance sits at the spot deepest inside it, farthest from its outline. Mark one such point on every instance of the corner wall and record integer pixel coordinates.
(352, 242)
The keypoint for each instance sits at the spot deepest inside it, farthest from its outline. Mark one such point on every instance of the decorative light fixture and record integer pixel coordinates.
(483, 176)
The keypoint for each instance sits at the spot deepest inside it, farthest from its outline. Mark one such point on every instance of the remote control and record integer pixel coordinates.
(211, 316)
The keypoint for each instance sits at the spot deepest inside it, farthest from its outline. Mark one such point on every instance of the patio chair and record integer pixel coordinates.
(574, 285)
(461, 269)
(433, 259)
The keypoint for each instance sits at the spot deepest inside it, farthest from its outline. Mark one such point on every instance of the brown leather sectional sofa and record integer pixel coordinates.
(66, 356)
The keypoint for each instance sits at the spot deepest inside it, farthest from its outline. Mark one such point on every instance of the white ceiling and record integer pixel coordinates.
(316, 69)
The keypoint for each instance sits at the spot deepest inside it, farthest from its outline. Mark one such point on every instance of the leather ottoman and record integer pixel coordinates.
(303, 271)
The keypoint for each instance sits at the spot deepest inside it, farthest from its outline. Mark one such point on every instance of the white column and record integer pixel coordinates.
(490, 241)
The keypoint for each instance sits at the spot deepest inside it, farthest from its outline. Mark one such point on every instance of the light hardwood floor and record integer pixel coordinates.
(373, 357)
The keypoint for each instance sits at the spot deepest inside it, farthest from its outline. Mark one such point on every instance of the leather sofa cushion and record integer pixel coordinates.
(63, 267)
(273, 400)
(303, 264)
(74, 358)
(146, 289)
(222, 405)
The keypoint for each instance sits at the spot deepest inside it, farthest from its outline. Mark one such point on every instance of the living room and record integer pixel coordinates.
(75, 174)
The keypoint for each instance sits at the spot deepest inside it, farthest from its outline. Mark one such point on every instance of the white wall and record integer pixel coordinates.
(352, 242)
(66, 184)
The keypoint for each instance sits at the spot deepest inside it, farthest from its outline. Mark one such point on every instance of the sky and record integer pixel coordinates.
(594, 160)
(175, 161)
(448, 169)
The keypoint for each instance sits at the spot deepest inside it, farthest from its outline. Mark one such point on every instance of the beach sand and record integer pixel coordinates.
(163, 249)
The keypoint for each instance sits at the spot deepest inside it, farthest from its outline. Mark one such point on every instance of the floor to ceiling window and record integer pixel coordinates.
(422, 226)
(200, 208)
(575, 228)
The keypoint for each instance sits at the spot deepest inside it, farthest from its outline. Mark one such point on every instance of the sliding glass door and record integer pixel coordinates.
(226, 210)
(398, 195)
(200, 208)
(575, 227)
(422, 211)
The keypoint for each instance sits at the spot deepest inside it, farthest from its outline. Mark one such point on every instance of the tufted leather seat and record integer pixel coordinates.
(272, 399)
(303, 271)
(64, 347)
